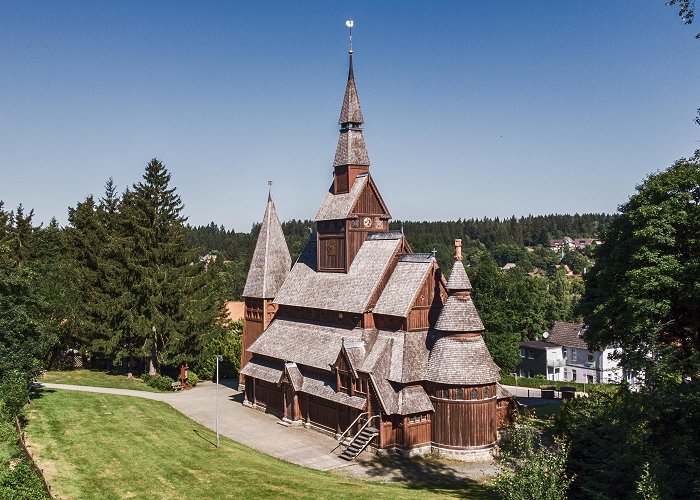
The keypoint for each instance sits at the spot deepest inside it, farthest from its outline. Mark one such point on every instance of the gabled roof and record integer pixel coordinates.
(303, 343)
(296, 379)
(349, 292)
(461, 360)
(459, 315)
(458, 278)
(351, 112)
(568, 335)
(271, 260)
(403, 286)
(323, 386)
(339, 206)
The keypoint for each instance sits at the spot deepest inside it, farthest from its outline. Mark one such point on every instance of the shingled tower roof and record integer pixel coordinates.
(271, 259)
(351, 148)
(459, 314)
(351, 112)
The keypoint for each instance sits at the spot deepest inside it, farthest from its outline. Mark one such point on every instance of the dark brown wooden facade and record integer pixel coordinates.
(362, 329)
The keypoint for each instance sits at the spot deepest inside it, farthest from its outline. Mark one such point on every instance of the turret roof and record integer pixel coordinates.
(271, 260)
(351, 111)
(458, 278)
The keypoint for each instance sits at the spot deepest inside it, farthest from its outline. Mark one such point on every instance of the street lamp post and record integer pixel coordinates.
(219, 357)
(515, 374)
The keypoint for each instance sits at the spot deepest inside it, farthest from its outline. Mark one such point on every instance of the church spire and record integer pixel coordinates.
(351, 148)
(271, 260)
(351, 111)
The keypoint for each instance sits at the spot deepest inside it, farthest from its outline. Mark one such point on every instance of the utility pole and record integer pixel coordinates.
(219, 357)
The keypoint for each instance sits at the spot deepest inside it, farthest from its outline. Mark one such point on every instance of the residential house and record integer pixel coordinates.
(541, 358)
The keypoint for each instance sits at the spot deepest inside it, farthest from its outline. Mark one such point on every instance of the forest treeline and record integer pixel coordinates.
(515, 305)
(505, 239)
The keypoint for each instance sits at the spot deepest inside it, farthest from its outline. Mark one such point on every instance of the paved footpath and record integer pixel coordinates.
(245, 425)
(298, 445)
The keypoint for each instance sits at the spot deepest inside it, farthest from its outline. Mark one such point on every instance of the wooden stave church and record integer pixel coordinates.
(363, 328)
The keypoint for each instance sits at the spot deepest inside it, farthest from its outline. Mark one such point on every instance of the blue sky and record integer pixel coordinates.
(472, 109)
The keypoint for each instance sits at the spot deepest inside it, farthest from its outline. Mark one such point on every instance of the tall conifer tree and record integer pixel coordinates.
(169, 304)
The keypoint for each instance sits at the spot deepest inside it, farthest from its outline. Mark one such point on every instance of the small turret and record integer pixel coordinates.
(268, 270)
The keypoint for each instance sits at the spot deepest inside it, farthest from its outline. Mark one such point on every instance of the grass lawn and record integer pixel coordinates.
(95, 378)
(102, 446)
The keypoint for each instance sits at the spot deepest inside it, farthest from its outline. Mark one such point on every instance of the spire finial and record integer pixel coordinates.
(269, 190)
(350, 23)
(458, 249)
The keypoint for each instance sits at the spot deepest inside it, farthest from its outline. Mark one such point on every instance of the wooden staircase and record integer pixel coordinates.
(359, 442)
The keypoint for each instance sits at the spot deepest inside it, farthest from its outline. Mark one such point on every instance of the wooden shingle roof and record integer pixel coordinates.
(271, 260)
(349, 292)
(339, 206)
(403, 286)
(307, 344)
(458, 278)
(459, 315)
(263, 369)
(461, 360)
(351, 148)
(323, 386)
(351, 111)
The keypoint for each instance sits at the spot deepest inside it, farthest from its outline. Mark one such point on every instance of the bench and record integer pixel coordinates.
(177, 386)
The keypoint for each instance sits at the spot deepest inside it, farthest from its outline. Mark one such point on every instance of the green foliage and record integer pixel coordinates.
(28, 324)
(515, 306)
(192, 378)
(228, 345)
(160, 382)
(18, 480)
(14, 393)
(626, 444)
(21, 482)
(643, 293)
(531, 470)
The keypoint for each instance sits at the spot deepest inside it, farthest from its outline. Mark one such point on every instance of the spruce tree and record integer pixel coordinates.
(170, 303)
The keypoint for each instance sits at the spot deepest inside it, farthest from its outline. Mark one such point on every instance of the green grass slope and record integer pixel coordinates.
(99, 446)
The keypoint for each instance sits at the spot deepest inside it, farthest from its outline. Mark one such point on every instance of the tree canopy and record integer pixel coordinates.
(643, 294)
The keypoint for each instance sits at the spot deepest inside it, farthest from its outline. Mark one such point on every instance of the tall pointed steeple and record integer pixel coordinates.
(351, 150)
(271, 260)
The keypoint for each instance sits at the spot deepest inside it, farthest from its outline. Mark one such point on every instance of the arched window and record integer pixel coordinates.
(460, 393)
(486, 392)
(474, 394)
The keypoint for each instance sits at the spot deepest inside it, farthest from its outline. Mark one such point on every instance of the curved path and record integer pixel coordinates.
(298, 445)
(250, 427)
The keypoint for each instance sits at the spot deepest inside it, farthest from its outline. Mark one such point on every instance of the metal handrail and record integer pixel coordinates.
(360, 432)
(344, 434)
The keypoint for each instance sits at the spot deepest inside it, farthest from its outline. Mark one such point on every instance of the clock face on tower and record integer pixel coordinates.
(367, 221)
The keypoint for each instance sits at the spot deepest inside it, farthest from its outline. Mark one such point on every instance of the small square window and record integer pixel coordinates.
(590, 357)
(522, 352)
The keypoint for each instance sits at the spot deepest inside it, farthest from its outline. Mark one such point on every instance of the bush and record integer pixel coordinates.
(160, 382)
(530, 468)
(229, 346)
(21, 482)
(192, 378)
(14, 393)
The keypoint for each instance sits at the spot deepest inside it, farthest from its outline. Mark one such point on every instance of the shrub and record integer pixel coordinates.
(229, 346)
(192, 378)
(160, 382)
(21, 482)
(529, 467)
(14, 393)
